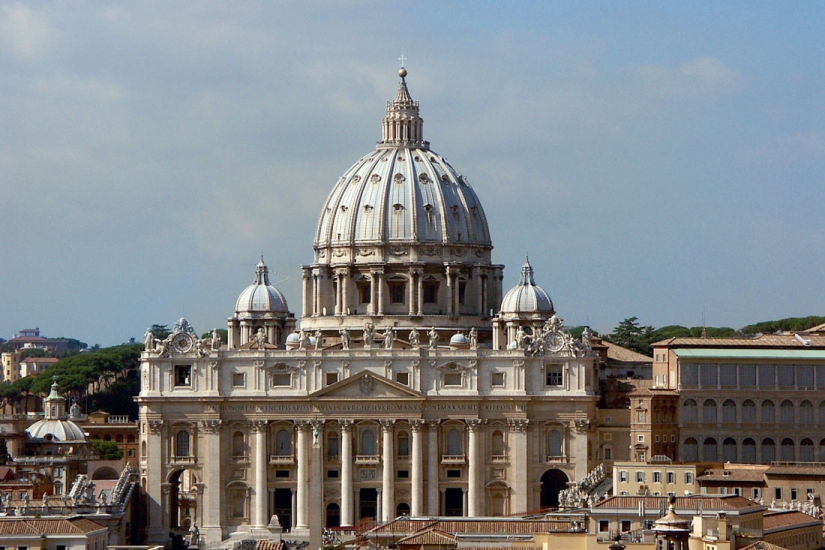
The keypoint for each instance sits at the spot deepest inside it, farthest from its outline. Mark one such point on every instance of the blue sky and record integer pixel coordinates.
(653, 159)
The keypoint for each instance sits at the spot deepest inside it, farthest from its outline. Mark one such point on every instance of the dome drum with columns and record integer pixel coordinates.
(402, 240)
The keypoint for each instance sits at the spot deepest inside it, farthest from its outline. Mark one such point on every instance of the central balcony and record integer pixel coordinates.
(282, 460)
(453, 459)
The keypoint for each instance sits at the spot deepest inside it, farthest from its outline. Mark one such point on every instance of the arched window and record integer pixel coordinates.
(498, 443)
(768, 450)
(403, 444)
(283, 443)
(130, 439)
(749, 451)
(554, 443)
(787, 450)
(729, 411)
(691, 449)
(806, 412)
(822, 450)
(822, 411)
(403, 509)
(332, 445)
(806, 450)
(786, 412)
(143, 448)
(748, 411)
(454, 443)
(182, 443)
(689, 411)
(709, 451)
(118, 439)
(768, 413)
(238, 446)
(368, 443)
(709, 411)
(107, 437)
(729, 450)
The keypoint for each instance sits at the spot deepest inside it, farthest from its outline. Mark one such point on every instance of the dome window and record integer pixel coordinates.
(375, 178)
(343, 208)
(398, 207)
(424, 179)
(417, 158)
(367, 208)
(356, 179)
(400, 159)
(445, 178)
(399, 178)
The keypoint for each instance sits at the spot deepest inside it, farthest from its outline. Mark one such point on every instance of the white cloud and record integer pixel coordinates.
(26, 33)
(700, 76)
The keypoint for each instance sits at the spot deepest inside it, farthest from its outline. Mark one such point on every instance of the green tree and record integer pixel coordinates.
(576, 332)
(788, 324)
(160, 331)
(106, 450)
(221, 332)
(631, 335)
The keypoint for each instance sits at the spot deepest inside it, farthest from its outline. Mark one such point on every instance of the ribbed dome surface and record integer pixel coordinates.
(526, 296)
(260, 296)
(60, 430)
(402, 192)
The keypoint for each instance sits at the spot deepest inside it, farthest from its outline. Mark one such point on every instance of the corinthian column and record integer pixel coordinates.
(475, 503)
(259, 509)
(417, 508)
(346, 473)
(432, 469)
(388, 501)
(302, 513)
(211, 516)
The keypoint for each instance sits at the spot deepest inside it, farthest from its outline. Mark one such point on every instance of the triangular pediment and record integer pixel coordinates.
(367, 385)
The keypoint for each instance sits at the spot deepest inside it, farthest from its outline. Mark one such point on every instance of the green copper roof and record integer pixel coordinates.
(751, 353)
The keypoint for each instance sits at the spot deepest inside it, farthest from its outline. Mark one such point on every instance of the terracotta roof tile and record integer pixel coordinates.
(429, 536)
(778, 520)
(762, 545)
(797, 470)
(722, 502)
(26, 526)
(732, 474)
(766, 340)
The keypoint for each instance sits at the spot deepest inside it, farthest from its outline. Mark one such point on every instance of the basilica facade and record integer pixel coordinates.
(414, 385)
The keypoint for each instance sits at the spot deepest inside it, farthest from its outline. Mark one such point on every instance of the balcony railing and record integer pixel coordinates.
(453, 459)
(182, 459)
(367, 459)
(499, 458)
(556, 459)
(282, 459)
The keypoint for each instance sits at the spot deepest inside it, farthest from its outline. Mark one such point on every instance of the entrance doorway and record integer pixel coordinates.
(454, 502)
(552, 482)
(368, 499)
(283, 507)
(182, 502)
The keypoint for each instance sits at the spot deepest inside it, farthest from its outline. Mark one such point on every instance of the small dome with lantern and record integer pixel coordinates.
(526, 298)
(56, 427)
(261, 297)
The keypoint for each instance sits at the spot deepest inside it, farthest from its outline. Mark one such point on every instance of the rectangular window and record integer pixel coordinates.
(608, 437)
(756, 493)
(282, 379)
(657, 439)
(431, 292)
(238, 380)
(747, 376)
(453, 473)
(608, 419)
(554, 375)
(403, 474)
(364, 294)
(397, 292)
(708, 374)
(657, 477)
(793, 493)
(640, 416)
(604, 526)
(183, 375)
(131, 454)
(332, 474)
(689, 478)
(452, 379)
(331, 378)
(462, 290)
(640, 477)
(737, 491)
(625, 526)
(497, 379)
(623, 476)
(777, 493)
(671, 477)
(727, 375)
(608, 453)
(402, 378)
(282, 473)
(641, 438)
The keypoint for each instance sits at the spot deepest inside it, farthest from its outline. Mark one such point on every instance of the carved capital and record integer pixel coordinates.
(155, 426)
(346, 425)
(432, 423)
(211, 425)
(256, 426)
(302, 425)
(473, 424)
(582, 426)
(518, 425)
(387, 424)
(416, 425)
(258, 364)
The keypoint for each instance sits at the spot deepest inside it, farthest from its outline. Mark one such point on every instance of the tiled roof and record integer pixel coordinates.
(766, 340)
(762, 545)
(618, 353)
(503, 526)
(429, 536)
(39, 360)
(733, 474)
(778, 520)
(404, 525)
(797, 470)
(25, 526)
(722, 502)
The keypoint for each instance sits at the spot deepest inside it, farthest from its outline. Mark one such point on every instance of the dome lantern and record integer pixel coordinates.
(402, 125)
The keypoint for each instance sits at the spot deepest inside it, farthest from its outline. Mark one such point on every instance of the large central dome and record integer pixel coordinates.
(402, 241)
(402, 193)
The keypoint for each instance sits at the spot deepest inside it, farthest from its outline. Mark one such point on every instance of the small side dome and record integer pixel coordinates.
(293, 338)
(527, 297)
(459, 341)
(260, 297)
(59, 431)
